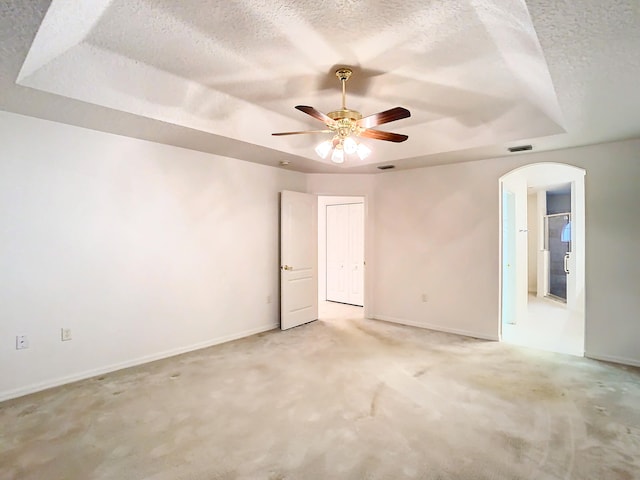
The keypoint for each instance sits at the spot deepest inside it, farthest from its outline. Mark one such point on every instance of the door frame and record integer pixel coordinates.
(548, 174)
(368, 247)
(510, 251)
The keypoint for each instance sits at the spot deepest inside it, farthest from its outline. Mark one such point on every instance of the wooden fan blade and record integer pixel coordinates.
(380, 135)
(383, 117)
(316, 114)
(298, 133)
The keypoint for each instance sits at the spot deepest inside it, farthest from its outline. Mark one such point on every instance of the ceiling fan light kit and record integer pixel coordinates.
(346, 125)
(324, 148)
(338, 155)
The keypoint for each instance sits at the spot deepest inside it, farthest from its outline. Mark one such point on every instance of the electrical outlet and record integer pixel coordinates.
(22, 342)
(268, 298)
(65, 334)
(425, 299)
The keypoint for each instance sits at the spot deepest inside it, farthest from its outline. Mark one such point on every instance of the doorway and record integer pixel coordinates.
(341, 230)
(542, 272)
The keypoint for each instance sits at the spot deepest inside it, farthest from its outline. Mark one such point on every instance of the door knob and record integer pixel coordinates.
(286, 267)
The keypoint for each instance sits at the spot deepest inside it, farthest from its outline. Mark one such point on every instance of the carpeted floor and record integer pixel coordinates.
(344, 398)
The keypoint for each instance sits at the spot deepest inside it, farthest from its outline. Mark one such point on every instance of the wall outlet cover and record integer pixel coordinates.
(22, 342)
(65, 334)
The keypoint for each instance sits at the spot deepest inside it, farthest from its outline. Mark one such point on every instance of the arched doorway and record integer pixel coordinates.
(542, 274)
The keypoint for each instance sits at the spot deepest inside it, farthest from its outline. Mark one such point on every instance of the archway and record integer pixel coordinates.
(542, 274)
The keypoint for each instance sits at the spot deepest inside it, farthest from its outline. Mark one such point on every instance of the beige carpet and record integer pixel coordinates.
(335, 399)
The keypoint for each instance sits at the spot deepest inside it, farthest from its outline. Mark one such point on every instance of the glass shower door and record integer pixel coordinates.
(558, 244)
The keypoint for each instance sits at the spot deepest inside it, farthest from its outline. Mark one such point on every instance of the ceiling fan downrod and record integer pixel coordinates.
(343, 74)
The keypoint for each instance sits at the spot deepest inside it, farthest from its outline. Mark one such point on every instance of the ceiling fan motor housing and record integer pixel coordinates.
(345, 122)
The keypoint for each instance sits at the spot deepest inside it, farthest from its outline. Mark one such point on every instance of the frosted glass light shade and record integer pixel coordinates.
(324, 148)
(338, 156)
(349, 145)
(363, 151)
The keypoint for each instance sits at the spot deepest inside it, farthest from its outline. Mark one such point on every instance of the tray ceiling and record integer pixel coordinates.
(222, 76)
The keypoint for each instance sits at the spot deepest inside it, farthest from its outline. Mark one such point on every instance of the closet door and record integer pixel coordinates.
(337, 251)
(345, 253)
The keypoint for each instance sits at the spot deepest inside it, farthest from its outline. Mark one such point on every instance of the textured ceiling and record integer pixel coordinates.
(477, 75)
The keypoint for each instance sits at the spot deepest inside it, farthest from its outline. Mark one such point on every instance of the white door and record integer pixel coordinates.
(337, 251)
(345, 253)
(298, 258)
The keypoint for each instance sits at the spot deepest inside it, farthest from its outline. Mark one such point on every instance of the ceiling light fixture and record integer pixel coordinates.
(324, 148)
(338, 155)
(346, 124)
(345, 127)
(339, 147)
(363, 151)
(349, 145)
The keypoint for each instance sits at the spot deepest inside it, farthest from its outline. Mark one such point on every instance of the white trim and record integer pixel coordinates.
(614, 359)
(464, 333)
(36, 387)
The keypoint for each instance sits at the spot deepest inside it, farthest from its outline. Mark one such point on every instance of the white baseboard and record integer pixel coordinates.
(56, 382)
(613, 359)
(464, 333)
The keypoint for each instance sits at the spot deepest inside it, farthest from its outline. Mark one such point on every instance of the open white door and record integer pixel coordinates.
(299, 259)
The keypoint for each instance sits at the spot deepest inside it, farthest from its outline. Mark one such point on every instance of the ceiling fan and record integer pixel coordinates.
(346, 124)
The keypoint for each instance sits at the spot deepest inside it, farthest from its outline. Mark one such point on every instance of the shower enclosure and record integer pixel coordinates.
(557, 236)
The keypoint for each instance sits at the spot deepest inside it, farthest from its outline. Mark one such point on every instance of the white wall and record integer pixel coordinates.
(612, 256)
(143, 250)
(146, 250)
(437, 233)
(517, 184)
